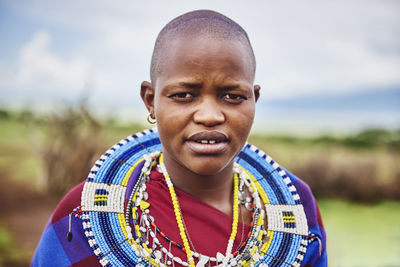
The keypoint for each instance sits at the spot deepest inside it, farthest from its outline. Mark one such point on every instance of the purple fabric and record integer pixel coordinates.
(133, 178)
(315, 225)
(54, 249)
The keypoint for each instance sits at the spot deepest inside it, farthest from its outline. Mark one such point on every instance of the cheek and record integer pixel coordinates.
(170, 123)
(245, 116)
(243, 121)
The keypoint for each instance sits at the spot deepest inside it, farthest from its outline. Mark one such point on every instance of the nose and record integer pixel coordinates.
(209, 113)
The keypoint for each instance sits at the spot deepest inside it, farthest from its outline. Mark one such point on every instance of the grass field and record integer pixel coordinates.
(358, 234)
(362, 235)
(9, 251)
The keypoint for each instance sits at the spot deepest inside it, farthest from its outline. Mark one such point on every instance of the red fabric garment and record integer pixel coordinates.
(208, 227)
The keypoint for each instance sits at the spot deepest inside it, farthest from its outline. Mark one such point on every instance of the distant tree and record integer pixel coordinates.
(4, 114)
(72, 140)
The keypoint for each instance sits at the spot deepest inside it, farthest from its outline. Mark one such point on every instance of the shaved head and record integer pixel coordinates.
(195, 24)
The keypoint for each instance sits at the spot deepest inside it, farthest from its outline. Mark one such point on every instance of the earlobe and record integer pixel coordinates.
(147, 94)
(257, 89)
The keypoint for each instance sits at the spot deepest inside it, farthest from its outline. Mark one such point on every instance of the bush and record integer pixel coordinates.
(4, 114)
(357, 179)
(368, 138)
(71, 142)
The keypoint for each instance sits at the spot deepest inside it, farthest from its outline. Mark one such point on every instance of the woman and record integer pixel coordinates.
(191, 192)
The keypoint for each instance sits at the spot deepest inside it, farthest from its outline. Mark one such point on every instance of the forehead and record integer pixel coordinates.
(202, 55)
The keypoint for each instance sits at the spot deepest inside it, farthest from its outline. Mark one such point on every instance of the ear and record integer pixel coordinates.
(147, 94)
(257, 89)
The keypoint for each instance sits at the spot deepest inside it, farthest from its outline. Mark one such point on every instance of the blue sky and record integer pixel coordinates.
(324, 66)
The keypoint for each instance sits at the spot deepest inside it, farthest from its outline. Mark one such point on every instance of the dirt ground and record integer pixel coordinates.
(24, 213)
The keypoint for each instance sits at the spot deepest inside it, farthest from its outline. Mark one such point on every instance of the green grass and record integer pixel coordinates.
(20, 145)
(10, 254)
(13, 130)
(114, 132)
(362, 235)
(18, 159)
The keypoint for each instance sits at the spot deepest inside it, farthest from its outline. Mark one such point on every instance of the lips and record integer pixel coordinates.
(208, 142)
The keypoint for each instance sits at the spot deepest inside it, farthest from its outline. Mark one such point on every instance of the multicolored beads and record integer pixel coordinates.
(105, 215)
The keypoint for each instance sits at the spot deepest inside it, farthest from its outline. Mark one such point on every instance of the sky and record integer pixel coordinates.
(323, 66)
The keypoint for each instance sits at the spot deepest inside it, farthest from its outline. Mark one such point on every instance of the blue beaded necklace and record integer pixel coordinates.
(118, 172)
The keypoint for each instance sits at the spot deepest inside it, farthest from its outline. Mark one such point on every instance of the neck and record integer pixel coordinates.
(215, 189)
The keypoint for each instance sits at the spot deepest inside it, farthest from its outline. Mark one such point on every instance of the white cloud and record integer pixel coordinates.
(315, 47)
(302, 47)
(40, 67)
(337, 66)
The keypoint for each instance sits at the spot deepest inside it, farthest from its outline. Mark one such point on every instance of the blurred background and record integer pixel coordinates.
(70, 73)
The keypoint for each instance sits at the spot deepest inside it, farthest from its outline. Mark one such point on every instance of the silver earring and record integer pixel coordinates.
(150, 119)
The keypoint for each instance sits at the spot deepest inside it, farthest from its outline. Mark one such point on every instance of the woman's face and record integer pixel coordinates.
(204, 102)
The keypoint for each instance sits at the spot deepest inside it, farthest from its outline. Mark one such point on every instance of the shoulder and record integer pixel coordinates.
(54, 249)
(307, 199)
(316, 250)
(70, 201)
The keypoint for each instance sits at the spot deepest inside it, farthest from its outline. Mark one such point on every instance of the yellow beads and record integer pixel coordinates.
(178, 214)
(235, 206)
(144, 205)
(254, 188)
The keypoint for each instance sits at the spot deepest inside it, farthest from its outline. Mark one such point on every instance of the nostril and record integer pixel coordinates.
(209, 117)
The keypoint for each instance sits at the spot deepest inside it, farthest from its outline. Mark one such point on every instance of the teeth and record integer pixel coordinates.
(207, 141)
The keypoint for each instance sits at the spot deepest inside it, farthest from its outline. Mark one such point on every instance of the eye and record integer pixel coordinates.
(182, 97)
(234, 98)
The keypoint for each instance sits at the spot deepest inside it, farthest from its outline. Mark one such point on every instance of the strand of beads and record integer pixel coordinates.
(137, 195)
(150, 224)
(137, 201)
(250, 249)
(257, 231)
(178, 215)
(228, 253)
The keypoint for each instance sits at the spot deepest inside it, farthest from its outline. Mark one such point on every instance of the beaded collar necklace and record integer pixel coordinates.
(116, 189)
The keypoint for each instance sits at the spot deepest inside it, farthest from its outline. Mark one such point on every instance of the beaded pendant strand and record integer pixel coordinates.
(245, 252)
(178, 215)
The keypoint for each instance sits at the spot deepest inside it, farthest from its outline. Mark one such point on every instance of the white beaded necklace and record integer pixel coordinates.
(140, 243)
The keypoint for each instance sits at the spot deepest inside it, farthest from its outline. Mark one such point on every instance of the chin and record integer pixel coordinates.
(209, 167)
(207, 172)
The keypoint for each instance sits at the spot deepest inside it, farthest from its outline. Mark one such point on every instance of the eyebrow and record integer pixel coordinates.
(229, 87)
(197, 86)
(190, 85)
(186, 85)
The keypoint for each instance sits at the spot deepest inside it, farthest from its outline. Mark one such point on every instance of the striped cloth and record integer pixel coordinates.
(54, 249)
